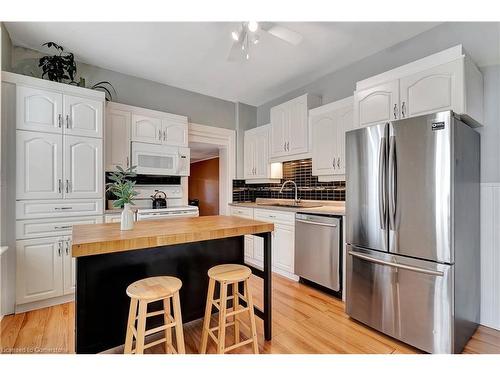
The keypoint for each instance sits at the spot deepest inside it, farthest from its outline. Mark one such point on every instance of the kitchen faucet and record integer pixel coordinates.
(294, 184)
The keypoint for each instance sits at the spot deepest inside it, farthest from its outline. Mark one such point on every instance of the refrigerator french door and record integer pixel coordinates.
(412, 230)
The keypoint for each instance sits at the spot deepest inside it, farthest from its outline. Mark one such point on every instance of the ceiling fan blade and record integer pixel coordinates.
(235, 53)
(285, 34)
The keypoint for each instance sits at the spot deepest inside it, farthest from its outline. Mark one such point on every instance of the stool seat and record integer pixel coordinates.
(154, 288)
(229, 273)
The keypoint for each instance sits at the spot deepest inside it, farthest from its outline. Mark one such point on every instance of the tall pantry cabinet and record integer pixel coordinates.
(59, 182)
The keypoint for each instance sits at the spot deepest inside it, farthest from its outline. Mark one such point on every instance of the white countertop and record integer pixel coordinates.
(326, 207)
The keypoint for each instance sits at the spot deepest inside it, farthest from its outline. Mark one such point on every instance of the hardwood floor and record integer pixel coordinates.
(305, 321)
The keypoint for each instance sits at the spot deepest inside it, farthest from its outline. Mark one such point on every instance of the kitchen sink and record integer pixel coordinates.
(291, 205)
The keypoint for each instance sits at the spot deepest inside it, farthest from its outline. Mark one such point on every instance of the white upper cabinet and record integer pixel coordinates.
(39, 110)
(117, 139)
(83, 116)
(175, 132)
(146, 129)
(435, 89)
(39, 269)
(159, 128)
(290, 128)
(447, 80)
(38, 165)
(377, 104)
(329, 123)
(83, 177)
(256, 155)
(279, 130)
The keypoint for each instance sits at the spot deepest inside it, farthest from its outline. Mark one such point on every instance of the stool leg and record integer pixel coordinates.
(129, 338)
(236, 305)
(141, 327)
(168, 331)
(208, 315)
(249, 298)
(222, 318)
(179, 333)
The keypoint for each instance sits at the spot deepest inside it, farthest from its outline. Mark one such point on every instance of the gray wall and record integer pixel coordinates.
(480, 40)
(246, 118)
(201, 109)
(6, 48)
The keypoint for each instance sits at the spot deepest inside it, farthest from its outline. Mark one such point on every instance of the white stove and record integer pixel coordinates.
(166, 213)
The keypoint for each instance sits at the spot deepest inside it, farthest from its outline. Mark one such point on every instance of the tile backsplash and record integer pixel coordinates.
(299, 171)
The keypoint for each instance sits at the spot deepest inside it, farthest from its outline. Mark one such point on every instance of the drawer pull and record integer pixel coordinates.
(63, 208)
(63, 227)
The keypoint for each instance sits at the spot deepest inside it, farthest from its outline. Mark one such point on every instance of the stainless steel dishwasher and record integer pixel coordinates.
(317, 249)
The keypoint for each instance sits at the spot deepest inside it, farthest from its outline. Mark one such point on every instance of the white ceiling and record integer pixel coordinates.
(202, 151)
(193, 55)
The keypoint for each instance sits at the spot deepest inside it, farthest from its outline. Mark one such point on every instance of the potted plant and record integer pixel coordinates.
(58, 67)
(123, 188)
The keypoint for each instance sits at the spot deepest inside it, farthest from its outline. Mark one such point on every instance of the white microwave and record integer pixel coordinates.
(160, 160)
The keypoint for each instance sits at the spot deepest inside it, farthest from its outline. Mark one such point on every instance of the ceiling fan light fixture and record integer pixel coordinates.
(253, 26)
(235, 35)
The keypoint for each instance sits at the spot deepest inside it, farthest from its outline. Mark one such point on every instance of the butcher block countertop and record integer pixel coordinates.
(95, 239)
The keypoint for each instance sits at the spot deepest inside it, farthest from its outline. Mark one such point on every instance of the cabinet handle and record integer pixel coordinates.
(67, 247)
(60, 185)
(395, 111)
(127, 162)
(67, 186)
(288, 146)
(63, 208)
(59, 247)
(164, 135)
(403, 105)
(284, 146)
(59, 120)
(159, 134)
(67, 121)
(338, 163)
(62, 227)
(333, 163)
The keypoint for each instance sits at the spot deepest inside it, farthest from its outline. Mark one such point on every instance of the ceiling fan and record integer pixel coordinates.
(248, 35)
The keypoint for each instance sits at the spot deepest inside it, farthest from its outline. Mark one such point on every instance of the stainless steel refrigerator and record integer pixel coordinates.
(412, 230)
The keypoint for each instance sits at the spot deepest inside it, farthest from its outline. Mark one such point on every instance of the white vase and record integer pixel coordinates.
(127, 222)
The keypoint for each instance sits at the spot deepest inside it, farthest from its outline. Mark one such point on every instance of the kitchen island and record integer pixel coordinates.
(108, 260)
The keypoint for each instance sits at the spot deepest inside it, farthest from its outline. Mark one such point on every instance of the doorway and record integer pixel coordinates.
(203, 181)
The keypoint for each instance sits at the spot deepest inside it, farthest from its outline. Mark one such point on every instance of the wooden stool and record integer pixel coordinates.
(229, 274)
(142, 293)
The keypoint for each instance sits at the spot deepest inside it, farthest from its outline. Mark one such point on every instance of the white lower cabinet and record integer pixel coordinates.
(283, 244)
(69, 268)
(39, 269)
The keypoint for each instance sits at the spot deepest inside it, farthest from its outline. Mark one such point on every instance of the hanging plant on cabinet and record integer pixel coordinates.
(58, 67)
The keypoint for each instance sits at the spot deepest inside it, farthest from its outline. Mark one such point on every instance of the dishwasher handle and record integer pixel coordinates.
(316, 223)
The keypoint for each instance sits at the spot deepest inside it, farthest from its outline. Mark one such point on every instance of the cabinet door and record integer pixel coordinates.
(283, 245)
(376, 104)
(147, 129)
(298, 128)
(279, 126)
(324, 139)
(258, 250)
(82, 116)
(261, 155)
(38, 165)
(69, 267)
(39, 269)
(83, 175)
(249, 156)
(175, 133)
(38, 110)
(437, 89)
(117, 139)
(345, 123)
(249, 249)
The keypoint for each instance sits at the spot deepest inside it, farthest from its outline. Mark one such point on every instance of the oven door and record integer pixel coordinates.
(155, 159)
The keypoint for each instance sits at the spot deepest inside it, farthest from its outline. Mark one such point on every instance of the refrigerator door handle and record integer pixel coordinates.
(392, 182)
(382, 201)
(395, 265)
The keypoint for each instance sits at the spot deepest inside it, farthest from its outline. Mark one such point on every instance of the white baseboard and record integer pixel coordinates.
(45, 303)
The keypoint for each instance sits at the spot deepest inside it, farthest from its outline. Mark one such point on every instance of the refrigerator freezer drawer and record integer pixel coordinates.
(408, 299)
